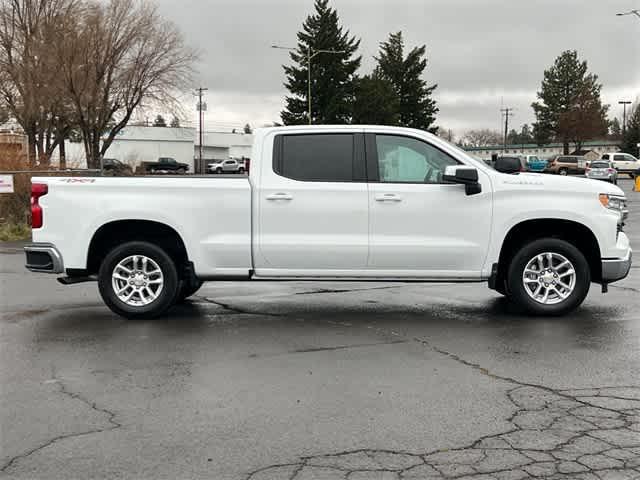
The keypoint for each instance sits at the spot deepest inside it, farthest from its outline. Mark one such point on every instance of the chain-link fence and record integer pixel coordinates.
(15, 206)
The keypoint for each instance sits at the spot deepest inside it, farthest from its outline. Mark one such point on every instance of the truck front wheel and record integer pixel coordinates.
(138, 280)
(548, 277)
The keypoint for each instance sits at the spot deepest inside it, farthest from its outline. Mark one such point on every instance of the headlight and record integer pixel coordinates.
(615, 202)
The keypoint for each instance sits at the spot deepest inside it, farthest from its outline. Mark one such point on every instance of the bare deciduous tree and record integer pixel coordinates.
(481, 138)
(120, 55)
(30, 89)
(584, 120)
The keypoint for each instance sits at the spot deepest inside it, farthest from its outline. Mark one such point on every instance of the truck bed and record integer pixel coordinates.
(211, 214)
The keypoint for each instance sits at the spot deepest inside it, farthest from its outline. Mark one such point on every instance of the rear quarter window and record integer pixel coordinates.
(315, 157)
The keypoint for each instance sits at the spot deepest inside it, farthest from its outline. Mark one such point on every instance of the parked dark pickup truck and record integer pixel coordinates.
(166, 164)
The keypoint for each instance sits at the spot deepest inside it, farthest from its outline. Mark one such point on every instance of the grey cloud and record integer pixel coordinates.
(475, 47)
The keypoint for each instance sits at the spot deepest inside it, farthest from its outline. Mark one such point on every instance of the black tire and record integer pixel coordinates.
(518, 263)
(169, 289)
(181, 171)
(218, 170)
(188, 288)
(241, 170)
(563, 171)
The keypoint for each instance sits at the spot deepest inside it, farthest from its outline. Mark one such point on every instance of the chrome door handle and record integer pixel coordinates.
(279, 196)
(388, 197)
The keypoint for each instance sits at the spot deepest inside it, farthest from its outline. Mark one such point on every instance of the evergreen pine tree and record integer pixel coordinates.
(332, 74)
(416, 107)
(615, 130)
(569, 106)
(376, 102)
(631, 137)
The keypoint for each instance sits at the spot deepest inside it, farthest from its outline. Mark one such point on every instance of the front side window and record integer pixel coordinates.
(408, 160)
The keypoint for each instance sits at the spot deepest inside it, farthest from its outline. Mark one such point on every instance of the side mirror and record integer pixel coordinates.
(467, 176)
(508, 165)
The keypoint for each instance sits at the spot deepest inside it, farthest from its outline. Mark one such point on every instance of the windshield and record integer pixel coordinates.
(533, 158)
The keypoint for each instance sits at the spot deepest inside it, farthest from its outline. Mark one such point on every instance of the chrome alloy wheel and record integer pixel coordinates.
(549, 278)
(137, 280)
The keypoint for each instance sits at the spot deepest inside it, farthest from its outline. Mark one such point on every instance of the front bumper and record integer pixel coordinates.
(616, 268)
(43, 257)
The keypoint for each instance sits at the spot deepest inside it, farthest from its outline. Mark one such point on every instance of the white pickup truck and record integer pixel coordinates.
(334, 202)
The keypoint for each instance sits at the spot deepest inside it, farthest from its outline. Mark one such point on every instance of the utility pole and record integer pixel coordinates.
(624, 104)
(507, 112)
(201, 107)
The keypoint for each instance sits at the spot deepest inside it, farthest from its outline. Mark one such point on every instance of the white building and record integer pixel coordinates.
(136, 144)
(542, 151)
(222, 145)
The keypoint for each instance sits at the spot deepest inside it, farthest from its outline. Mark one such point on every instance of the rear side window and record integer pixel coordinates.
(605, 156)
(619, 158)
(315, 158)
(568, 159)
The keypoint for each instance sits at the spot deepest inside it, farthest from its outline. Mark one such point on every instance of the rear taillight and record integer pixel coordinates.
(37, 190)
(588, 170)
(611, 170)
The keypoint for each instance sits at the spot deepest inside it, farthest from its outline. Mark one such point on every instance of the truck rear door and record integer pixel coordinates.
(312, 205)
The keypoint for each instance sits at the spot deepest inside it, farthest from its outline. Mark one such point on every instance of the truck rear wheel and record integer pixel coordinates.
(548, 277)
(138, 280)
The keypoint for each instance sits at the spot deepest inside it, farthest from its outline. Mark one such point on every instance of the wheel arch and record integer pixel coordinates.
(117, 232)
(576, 233)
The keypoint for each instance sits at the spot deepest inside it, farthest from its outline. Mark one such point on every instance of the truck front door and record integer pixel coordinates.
(419, 225)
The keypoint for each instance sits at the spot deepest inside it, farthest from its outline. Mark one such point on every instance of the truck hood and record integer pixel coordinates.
(561, 183)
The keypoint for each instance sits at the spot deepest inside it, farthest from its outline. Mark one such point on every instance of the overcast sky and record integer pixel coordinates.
(481, 53)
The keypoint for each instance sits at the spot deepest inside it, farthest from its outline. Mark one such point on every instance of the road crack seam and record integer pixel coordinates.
(231, 308)
(62, 389)
(589, 433)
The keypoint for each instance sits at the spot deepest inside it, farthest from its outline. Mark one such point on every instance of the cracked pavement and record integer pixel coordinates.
(299, 381)
(580, 433)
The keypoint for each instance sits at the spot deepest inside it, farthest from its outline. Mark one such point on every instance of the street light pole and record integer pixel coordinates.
(624, 104)
(310, 56)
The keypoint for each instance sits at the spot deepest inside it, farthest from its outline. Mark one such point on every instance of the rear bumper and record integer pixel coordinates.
(616, 269)
(43, 257)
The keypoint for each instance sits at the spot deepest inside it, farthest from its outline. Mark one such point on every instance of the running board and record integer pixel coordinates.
(74, 280)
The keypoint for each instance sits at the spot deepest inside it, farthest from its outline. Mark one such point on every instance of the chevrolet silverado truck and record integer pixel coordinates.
(334, 203)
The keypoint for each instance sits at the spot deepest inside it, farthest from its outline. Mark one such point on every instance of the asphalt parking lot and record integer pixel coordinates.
(318, 381)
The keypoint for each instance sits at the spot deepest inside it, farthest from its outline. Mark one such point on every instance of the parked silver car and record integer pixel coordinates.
(226, 166)
(602, 170)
